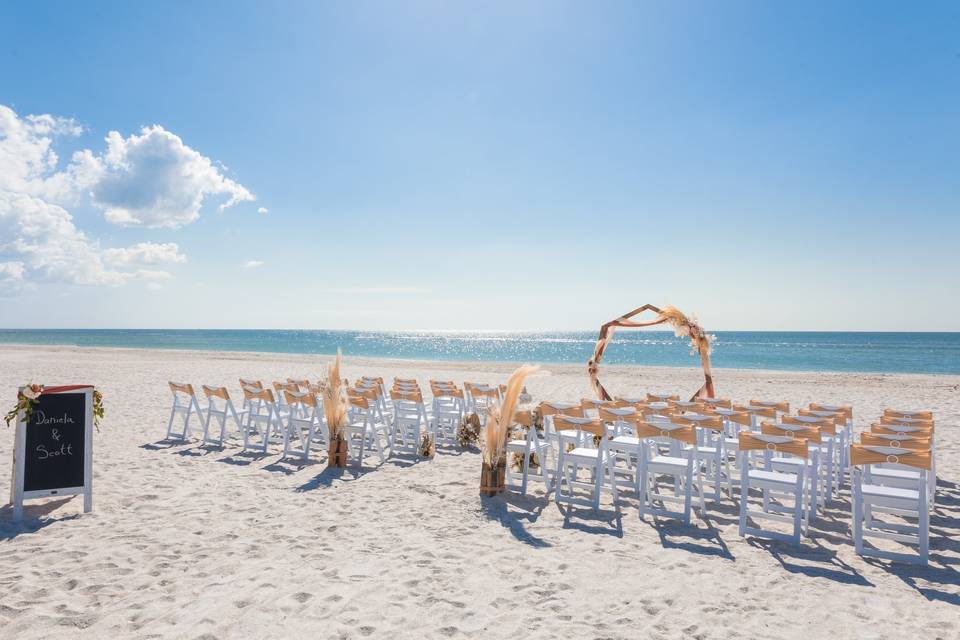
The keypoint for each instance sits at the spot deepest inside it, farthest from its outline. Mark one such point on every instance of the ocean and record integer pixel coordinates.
(780, 350)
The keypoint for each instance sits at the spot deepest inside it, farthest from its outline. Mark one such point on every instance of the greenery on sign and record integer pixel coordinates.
(26, 400)
(30, 396)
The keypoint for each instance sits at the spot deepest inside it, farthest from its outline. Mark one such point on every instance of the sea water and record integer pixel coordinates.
(790, 351)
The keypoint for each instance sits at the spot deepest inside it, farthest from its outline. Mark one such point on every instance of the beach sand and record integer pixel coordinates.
(190, 542)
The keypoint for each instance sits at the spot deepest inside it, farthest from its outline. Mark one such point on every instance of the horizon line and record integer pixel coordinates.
(504, 331)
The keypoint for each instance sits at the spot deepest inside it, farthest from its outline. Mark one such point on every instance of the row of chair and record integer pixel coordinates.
(381, 420)
(670, 452)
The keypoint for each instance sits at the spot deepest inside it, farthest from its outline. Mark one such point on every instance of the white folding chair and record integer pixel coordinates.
(895, 475)
(813, 436)
(708, 451)
(548, 411)
(596, 460)
(220, 406)
(870, 498)
(733, 423)
(263, 417)
(410, 421)
(449, 410)
(531, 444)
(185, 405)
(789, 484)
(624, 445)
(831, 440)
(669, 462)
(305, 423)
(366, 430)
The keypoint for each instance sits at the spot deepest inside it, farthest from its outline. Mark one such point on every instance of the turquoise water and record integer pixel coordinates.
(790, 351)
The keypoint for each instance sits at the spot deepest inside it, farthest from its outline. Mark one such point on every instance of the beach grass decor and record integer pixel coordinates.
(335, 410)
(683, 326)
(499, 419)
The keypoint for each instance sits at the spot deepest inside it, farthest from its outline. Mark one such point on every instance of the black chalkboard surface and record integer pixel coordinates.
(55, 442)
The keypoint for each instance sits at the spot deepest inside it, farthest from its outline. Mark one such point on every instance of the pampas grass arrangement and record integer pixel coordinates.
(500, 417)
(335, 410)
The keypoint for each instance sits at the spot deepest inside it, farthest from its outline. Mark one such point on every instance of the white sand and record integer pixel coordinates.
(189, 542)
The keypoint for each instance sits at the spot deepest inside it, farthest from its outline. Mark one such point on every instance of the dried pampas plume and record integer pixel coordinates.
(335, 405)
(684, 327)
(501, 417)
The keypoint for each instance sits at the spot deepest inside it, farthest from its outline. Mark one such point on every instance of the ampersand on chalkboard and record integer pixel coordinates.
(55, 434)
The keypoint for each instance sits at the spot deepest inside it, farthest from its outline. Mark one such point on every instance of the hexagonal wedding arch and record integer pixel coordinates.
(682, 327)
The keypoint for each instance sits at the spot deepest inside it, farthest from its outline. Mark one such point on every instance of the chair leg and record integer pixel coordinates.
(744, 497)
(173, 413)
(526, 472)
(597, 485)
(644, 490)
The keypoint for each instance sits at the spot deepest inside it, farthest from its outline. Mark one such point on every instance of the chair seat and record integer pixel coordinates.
(631, 441)
(583, 452)
(663, 462)
(790, 462)
(777, 477)
(707, 451)
(894, 474)
(879, 491)
(521, 445)
(217, 412)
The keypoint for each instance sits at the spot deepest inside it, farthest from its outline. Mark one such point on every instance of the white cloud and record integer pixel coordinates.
(145, 253)
(46, 246)
(27, 158)
(152, 179)
(263, 210)
(155, 180)
(252, 264)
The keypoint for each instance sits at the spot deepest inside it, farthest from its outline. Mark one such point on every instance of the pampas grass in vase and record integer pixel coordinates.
(499, 419)
(335, 410)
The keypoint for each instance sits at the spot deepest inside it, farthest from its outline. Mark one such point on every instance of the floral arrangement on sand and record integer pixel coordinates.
(29, 396)
(426, 448)
(468, 432)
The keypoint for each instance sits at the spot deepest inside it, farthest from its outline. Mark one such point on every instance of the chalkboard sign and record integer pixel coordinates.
(53, 453)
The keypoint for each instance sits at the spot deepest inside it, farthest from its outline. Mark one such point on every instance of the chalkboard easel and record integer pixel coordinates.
(53, 453)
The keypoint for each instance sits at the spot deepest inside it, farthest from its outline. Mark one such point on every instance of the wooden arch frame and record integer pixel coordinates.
(683, 326)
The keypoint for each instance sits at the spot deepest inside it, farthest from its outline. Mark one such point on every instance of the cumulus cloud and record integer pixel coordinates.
(155, 180)
(263, 210)
(46, 246)
(252, 264)
(150, 179)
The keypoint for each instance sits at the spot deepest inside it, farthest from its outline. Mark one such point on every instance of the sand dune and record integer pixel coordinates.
(188, 542)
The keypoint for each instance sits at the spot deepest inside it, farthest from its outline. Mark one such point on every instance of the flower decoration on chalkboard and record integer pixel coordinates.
(26, 399)
(97, 409)
(29, 396)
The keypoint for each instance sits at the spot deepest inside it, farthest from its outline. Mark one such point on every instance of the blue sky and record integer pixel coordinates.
(510, 165)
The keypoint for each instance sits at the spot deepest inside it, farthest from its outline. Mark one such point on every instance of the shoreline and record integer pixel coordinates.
(507, 365)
